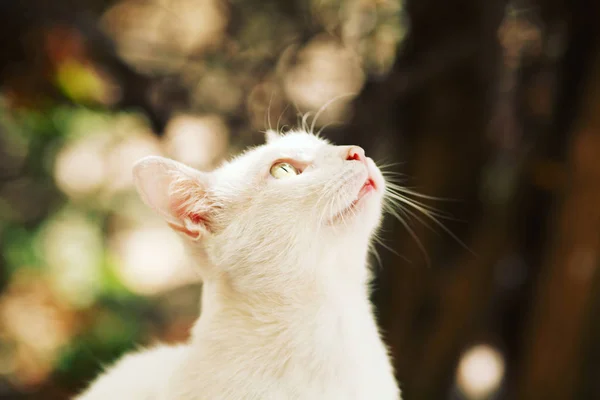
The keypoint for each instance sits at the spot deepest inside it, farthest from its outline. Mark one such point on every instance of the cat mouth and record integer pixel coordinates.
(368, 187)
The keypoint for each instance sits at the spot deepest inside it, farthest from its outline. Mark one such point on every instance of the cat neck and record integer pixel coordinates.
(339, 283)
(310, 337)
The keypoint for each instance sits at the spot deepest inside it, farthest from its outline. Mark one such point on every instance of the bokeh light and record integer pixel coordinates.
(80, 167)
(72, 247)
(198, 141)
(151, 260)
(157, 36)
(318, 79)
(480, 372)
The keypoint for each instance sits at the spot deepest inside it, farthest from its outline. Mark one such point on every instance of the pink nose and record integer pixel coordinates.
(356, 153)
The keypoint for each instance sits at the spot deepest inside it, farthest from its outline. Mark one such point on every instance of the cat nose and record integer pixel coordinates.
(356, 153)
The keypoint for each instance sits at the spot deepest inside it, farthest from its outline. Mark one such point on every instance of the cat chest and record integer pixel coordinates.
(352, 365)
(311, 367)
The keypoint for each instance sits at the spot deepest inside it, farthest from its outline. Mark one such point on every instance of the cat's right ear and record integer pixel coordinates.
(177, 192)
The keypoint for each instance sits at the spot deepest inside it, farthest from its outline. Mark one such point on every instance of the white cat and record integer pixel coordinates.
(281, 236)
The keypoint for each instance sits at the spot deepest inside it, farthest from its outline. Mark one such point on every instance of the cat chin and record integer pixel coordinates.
(367, 202)
(364, 206)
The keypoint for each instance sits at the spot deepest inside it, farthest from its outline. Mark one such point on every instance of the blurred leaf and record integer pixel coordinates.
(19, 249)
(80, 82)
(113, 333)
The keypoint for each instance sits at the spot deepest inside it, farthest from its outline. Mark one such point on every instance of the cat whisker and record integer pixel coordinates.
(400, 201)
(424, 208)
(393, 176)
(374, 252)
(330, 209)
(324, 212)
(318, 134)
(269, 112)
(305, 121)
(410, 214)
(377, 239)
(280, 116)
(327, 193)
(384, 165)
(402, 189)
(412, 234)
(324, 107)
(397, 190)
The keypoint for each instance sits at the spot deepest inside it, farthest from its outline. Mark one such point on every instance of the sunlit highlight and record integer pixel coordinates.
(480, 372)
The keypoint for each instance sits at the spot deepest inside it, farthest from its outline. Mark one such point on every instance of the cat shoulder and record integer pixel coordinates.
(138, 375)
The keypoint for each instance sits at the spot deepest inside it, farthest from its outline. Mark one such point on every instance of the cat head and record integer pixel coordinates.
(290, 203)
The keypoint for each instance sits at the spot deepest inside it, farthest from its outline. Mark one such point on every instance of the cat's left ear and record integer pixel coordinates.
(177, 192)
(271, 136)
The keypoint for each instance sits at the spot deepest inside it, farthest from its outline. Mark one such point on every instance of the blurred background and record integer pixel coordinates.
(490, 108)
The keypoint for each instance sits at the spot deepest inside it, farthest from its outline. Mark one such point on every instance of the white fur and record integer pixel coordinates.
(285, 304)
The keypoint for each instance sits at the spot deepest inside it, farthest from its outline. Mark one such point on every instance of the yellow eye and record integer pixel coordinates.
(283, 170)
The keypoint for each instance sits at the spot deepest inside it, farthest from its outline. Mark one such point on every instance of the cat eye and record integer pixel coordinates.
(283, 170)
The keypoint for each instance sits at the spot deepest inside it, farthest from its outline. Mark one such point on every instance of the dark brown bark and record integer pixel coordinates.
(561, 313)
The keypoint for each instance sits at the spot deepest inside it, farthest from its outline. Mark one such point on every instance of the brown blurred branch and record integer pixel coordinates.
(561, 312)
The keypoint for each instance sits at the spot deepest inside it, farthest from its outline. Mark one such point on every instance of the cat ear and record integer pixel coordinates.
(271, 136)
(175, 191)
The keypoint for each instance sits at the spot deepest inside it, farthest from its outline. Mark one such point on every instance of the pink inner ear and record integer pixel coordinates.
(196, 218)
(189, 204)
(181, 208)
